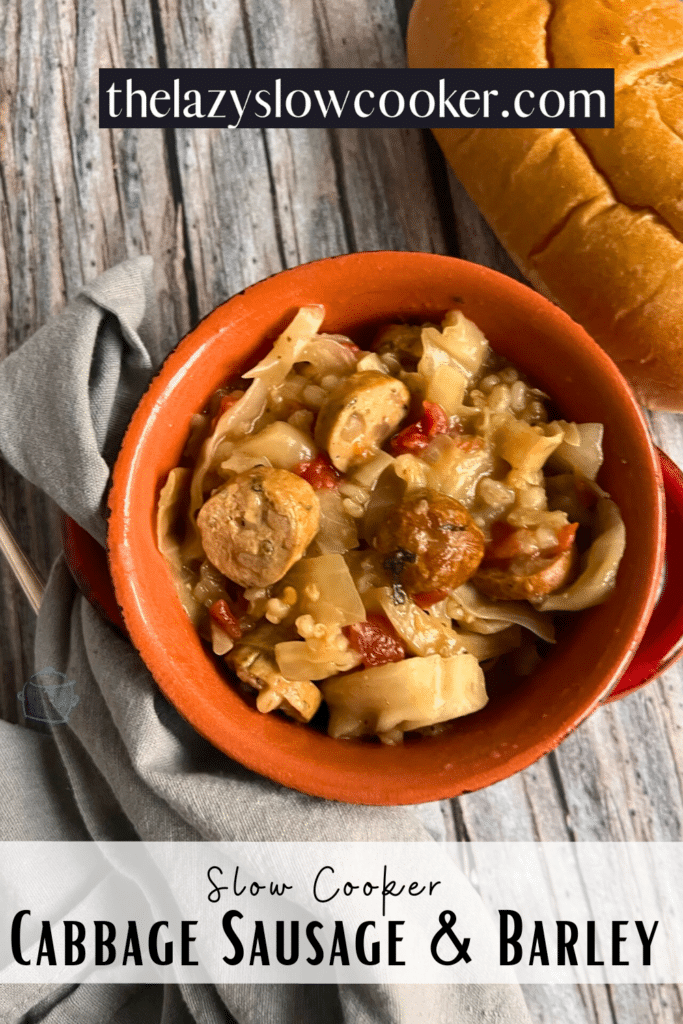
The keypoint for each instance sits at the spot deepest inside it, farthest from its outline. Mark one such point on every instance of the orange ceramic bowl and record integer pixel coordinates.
(522, 721)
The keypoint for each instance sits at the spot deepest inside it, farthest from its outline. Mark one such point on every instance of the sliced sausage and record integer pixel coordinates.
(527, 579)
(402, 341)
(359, 415)
(430, 542)
(258, 525)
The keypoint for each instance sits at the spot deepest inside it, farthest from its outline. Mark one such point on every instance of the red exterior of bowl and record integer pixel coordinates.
(522, 721)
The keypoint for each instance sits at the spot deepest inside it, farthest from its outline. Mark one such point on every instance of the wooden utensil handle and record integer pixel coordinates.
(24, 570)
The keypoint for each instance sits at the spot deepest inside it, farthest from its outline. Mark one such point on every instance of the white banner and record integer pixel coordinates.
(315, 913)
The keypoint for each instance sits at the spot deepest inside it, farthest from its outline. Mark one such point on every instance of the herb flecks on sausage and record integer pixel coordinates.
(359, 415)
(258, 525)
(435, 540)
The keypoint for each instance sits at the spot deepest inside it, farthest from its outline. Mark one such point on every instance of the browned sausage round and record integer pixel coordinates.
(258, 525)
(359, 415)
(403, 341)
(430, 542)
(526, 579)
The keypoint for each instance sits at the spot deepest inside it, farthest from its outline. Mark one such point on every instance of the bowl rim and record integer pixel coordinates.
(391, 791)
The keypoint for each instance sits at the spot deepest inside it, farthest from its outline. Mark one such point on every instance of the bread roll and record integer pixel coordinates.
(592, 217)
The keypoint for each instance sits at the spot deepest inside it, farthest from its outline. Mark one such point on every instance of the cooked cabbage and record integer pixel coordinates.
(173, 494)
(493, 646)
(492, 451)
(465, 342)
(338, 531)
(313, 659)
(526, 448)
(422, 634)
(281, 444)
(446, 381)
(325, 590)
(583, 457)
(289, 348)
(470, 608)
(404, 695)
(597, 579)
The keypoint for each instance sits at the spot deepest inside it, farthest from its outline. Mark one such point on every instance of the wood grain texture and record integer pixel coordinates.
(75, 200)
(617, 777)
(221, 209)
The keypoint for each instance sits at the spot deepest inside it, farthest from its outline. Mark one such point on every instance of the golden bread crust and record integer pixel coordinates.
(593, 217)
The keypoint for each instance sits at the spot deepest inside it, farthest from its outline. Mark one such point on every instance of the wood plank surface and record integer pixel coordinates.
(221, 209)
(75, 200)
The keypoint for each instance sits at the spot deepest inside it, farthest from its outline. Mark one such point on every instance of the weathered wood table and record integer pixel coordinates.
(219, 210)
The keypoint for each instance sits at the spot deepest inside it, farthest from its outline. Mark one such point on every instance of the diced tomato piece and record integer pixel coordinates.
(417, 436)
(429, 598)
(434, 419)
(504, 544)
(376, 640)
(226, 402)
(409, 440)
(222, 615)
(565, 539)
(467, 443)
(508, 543)
(353, 348)
(319, 473)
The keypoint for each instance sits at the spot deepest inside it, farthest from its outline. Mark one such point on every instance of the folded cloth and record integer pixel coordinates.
(125, 766)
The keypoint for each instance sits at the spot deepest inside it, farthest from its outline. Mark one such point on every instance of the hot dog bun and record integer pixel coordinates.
(593, 218)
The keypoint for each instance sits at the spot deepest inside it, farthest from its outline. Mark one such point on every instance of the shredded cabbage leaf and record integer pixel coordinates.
(598, 577)
(404, 695)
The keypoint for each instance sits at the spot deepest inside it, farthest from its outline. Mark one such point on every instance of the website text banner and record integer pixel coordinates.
(309, 913)
(356, 98)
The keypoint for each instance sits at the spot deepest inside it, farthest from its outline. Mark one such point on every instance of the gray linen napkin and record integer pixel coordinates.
(126, 766)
